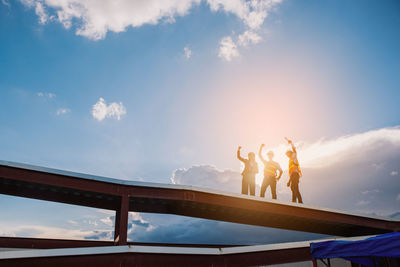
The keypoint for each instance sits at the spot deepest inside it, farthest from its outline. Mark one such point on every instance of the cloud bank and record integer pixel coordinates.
(355, 147)
(94, 18)
(40, 231)
(101, 110)
(353, 173)
(200, 231)
(357, 177)
(358, 168)
(209, 177)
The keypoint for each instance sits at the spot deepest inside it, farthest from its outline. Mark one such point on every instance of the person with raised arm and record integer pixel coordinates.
(294, 173)
(249, 172)
(270, 175)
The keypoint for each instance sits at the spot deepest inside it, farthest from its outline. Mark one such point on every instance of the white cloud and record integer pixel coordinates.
(41, 231)
(323, 153)
(253, 13)
(394, 173)
(39, 7)
(248, 37)
(47, 95)
(136, 220)
(209, 177)
(62, 111)
(228, 49)
(101, 110)
(108, 221)
(94, 18)
(40, 11)
(187, 51)
(324, 163)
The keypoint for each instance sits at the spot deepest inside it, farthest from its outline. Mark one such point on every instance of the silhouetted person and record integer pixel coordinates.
(294, 173)
(270, 169)
(249, 172)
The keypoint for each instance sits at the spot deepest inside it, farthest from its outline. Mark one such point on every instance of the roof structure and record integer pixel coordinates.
(106, 193)
(144, 255)
(122, 196)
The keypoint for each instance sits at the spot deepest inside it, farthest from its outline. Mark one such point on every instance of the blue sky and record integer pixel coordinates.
(139, 91)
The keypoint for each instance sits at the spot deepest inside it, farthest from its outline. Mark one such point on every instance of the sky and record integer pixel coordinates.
(165, 91)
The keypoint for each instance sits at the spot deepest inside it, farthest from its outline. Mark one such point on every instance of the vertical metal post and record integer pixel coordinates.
(121, 222)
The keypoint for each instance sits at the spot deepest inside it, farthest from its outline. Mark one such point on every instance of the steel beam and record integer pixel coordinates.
(121, 221)
(93, 191)
(49, 243)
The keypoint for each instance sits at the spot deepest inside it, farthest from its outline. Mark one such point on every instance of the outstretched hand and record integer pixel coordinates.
(262, 145)
(239, 147)
(288, 184)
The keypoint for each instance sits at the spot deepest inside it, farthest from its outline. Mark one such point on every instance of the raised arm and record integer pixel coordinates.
(293, 148)
(238, 155)
(291, 143)
(260, 153)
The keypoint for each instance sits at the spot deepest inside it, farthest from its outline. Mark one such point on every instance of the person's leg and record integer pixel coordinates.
(294, 196)
(273, 188)
(263, 187)
(296, 179)
(296, 191)
(245, 185)
(299, 198)
(293, 187)
(252, 184)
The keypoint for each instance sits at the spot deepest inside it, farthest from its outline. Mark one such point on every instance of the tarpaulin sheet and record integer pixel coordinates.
(361, 251)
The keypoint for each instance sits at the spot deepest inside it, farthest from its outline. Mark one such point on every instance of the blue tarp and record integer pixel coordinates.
(362, 251)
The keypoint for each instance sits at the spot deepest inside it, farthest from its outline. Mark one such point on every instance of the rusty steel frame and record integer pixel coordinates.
(122, 196)
(139, 255)
(48, 243)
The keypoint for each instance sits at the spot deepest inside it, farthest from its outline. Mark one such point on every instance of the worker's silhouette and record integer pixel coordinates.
(294, 173)
(270, 169)
(249, 172)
